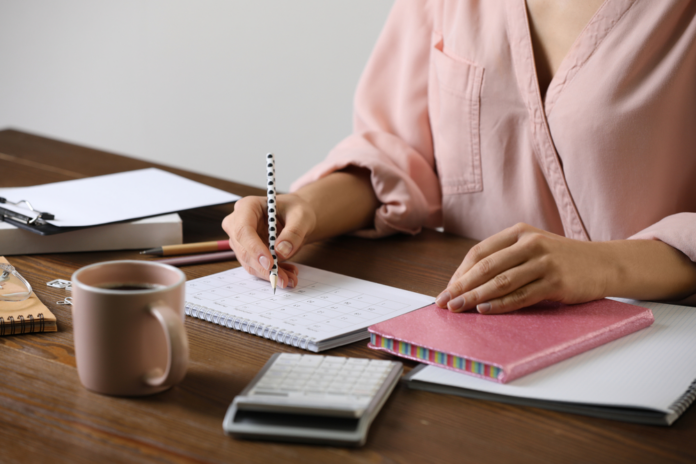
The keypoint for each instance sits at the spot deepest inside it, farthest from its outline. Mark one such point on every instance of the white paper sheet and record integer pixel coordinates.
(651, 368)
(116, 197)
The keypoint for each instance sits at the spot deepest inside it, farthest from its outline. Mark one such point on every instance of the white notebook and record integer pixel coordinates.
(647, 377)
(141, 234)
(324, 311)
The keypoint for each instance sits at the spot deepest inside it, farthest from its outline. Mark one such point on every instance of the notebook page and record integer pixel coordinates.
(651, 368)
(323, 305)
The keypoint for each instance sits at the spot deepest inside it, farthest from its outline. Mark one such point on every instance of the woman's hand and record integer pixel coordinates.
(341, 202)
(522, 265)
(247, 227)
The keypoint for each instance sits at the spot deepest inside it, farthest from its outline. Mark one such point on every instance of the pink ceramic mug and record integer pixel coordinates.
(128, 318)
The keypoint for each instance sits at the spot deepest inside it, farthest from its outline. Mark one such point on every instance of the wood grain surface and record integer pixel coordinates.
(47, 416)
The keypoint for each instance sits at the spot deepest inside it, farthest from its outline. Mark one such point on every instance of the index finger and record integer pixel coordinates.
(478, 252)
(485, 248)
(244, 236)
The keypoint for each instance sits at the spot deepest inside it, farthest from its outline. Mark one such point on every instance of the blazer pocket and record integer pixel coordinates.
(455, 113)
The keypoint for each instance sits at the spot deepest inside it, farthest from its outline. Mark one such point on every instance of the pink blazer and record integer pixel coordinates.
(450, 121)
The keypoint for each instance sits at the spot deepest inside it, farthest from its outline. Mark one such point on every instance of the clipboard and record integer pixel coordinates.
(31, 220)
(126, 196)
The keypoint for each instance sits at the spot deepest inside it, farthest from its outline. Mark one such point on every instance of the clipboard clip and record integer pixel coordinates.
(38, 219)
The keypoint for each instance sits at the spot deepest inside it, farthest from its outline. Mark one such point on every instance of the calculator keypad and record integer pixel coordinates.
(345, 383)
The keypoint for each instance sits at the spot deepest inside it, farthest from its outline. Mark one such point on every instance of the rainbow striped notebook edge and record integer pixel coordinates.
(436, 358)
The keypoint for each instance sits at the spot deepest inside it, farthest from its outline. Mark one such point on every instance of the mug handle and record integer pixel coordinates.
(177, 346)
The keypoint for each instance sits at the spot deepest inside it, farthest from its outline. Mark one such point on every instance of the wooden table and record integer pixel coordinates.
(46, 415)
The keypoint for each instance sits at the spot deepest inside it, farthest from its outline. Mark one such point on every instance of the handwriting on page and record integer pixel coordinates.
(314, 307)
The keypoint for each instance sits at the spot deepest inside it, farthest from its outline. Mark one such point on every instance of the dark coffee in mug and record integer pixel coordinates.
(128, 322)
(129, 286)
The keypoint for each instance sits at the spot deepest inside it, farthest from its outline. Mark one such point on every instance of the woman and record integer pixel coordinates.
(560, 133)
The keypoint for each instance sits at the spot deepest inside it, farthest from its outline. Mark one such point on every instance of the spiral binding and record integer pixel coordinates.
(249, 326)
(682, 404)
(21, 324)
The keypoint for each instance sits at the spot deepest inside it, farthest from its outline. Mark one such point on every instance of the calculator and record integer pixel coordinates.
(313, 399)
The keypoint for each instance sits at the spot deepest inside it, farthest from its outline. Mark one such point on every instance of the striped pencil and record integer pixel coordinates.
(272, 229)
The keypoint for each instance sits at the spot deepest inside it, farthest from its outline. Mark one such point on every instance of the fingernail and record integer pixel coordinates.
(284, 248)
(484, 308)
(443, 298)
(264, 262)
(291, 284)
(456, 304)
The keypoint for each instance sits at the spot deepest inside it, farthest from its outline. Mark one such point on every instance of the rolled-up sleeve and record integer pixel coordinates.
(391, 134)
(678, 231)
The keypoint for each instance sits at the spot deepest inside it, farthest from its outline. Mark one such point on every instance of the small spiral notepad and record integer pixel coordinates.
(325, 310)
(27, 316)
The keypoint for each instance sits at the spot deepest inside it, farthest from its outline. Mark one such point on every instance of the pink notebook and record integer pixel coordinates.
(504, 347)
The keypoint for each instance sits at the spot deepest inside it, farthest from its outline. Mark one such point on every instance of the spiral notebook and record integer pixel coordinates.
(324, 311)
(28, 316)
(647, 377)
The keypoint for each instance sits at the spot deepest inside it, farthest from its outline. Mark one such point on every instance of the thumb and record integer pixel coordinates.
(298, 223)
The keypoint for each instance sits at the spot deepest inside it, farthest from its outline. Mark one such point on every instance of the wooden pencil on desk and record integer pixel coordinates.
(198, 259)
(189, 248)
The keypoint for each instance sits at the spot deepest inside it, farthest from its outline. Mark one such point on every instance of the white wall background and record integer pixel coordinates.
(206, 85)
